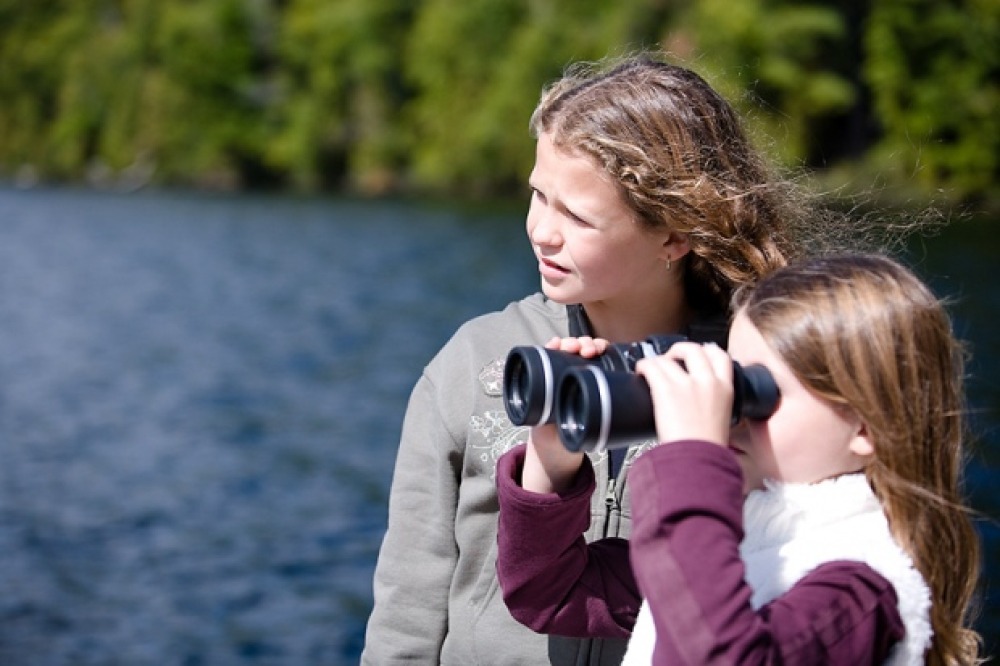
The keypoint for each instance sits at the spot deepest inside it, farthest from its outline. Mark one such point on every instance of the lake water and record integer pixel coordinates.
(201, 397)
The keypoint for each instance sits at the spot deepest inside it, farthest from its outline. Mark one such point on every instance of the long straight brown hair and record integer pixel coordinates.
(864, 332)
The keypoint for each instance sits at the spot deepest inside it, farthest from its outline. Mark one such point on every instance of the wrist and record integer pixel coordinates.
(549, 470)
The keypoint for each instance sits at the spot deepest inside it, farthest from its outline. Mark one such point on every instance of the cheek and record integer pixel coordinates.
(585, 259)
(609, 260)
(588, 257)
(760, 446)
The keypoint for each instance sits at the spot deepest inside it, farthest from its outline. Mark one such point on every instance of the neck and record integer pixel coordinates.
(623, 323)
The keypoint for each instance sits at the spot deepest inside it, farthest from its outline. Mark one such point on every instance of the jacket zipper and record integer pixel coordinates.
(610, 500)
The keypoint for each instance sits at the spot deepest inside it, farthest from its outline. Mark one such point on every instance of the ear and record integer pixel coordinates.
(861, 443)
(675, 246)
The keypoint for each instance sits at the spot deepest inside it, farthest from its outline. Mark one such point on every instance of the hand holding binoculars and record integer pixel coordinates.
(600, 403)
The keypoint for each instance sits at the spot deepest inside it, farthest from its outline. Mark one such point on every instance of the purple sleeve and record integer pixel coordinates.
(552, 580)
(687, 525)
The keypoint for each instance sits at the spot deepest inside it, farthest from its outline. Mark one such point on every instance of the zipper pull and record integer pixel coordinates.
(609, 498)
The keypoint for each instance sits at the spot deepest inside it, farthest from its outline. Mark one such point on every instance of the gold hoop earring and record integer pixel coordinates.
(668, 263)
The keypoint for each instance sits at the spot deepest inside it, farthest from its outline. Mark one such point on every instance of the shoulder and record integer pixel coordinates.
(532, 313)
(531, 320)
(470, 364)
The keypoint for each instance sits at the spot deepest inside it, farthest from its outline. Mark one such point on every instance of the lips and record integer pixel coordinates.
(549, 268)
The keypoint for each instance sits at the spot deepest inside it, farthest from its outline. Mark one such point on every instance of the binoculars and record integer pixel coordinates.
(600, 403)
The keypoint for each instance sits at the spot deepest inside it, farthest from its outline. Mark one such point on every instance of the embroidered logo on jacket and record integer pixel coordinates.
(491, 433)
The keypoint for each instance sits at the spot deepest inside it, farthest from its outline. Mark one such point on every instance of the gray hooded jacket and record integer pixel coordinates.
(436, 593)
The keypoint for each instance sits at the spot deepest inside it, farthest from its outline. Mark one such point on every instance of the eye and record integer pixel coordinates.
(537, 194)
(579, 221)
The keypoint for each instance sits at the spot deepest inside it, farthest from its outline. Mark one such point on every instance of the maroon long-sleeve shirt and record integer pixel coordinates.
(683, 555)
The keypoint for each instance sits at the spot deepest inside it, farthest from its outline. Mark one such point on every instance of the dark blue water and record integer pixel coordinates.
(200, 399)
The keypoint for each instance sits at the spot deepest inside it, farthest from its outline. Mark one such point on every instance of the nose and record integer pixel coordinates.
(738, 432)
(543, 227)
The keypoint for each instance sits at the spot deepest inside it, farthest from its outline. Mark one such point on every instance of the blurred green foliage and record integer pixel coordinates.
(434, 96)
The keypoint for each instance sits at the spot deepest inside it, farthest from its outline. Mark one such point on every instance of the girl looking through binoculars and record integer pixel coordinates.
(852, 546)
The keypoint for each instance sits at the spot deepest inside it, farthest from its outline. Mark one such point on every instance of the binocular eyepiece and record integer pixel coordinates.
(600, 403)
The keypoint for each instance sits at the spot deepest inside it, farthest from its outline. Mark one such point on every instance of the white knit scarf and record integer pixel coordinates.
(790, 529)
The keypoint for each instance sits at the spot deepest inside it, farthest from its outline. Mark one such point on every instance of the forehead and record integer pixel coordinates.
(742, 332)
(747, 345)
(572, 173)
(551, 155)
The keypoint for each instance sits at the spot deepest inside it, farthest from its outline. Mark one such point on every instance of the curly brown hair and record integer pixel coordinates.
(682, 161)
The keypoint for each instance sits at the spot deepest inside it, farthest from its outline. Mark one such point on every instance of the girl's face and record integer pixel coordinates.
(807, 439)
(590, 248)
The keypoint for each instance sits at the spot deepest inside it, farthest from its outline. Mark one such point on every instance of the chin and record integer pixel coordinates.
(557, 296)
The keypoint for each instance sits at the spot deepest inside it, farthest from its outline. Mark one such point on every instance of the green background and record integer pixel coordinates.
(432, 97)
